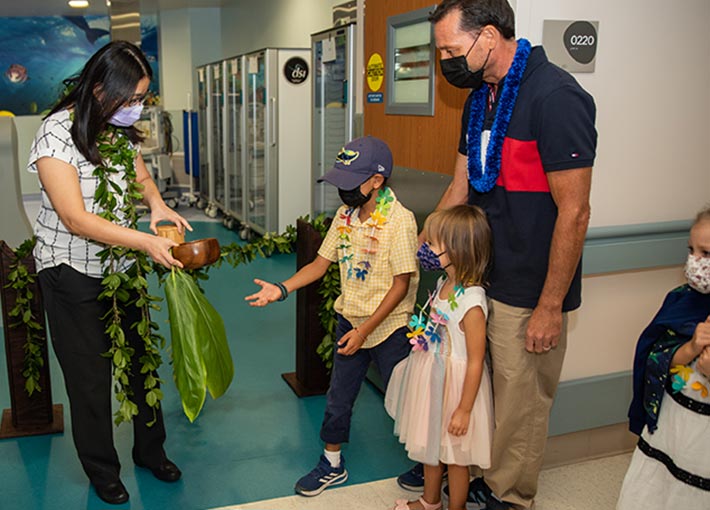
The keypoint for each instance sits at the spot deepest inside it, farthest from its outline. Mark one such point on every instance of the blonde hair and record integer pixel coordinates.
(703, 215)
(464, 232)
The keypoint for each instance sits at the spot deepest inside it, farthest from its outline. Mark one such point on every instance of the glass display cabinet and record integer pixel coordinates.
(333, 56)
(233, 143)
(205, 179)
(215, 138)
(255, 113)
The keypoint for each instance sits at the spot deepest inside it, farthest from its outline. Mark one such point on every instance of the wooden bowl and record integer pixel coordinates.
(197, 254)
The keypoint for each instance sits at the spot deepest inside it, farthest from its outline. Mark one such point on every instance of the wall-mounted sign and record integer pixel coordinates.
(375, 72)
(253, 65)
(296, 70)
(572, 45)
(329, 54)
(375, 97)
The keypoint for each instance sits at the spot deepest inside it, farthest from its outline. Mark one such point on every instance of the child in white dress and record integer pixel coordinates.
(440, 396)
(670, 411)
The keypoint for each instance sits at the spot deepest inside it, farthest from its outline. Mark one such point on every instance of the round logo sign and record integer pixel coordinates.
(375, 72)
(580, 41)
(296, 70)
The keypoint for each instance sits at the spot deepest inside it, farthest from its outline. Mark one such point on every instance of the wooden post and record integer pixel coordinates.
(28, 415)
(311, 377)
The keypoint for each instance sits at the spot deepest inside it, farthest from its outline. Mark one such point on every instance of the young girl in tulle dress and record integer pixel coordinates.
(440, 396)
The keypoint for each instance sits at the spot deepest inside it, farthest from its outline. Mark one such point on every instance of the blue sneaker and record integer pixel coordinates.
(323, 476)
(413, 480)
(478, 497)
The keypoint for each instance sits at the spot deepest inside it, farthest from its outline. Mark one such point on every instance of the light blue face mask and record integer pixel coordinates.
(126, 116)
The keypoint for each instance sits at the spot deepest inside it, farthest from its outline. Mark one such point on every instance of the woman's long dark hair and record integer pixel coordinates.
(107, 82)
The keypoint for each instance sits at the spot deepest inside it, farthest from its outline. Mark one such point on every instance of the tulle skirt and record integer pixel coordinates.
(424, 391)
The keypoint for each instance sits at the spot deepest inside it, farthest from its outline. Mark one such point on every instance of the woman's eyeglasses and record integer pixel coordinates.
(136, 100)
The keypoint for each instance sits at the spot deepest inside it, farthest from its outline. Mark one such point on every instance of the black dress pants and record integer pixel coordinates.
(78, 336)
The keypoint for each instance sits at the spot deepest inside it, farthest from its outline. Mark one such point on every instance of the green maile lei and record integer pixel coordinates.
(22, 281)
(122, 288)
(329, 290)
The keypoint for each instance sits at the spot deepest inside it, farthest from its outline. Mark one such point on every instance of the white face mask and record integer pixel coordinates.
(697, 272)
(126, 116)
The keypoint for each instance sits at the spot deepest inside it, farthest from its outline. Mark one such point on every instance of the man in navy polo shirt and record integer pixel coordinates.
(525, 156)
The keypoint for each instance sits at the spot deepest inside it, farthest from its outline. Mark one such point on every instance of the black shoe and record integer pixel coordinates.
(479, 496)
(113, 493)
(479, 492)
(413, 480)
(494, 503)
(166, 471)
(471, 503)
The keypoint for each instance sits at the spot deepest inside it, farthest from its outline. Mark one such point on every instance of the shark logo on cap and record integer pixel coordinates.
(347, 156)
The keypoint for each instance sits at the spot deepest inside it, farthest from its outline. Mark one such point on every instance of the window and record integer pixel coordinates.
(410, 64)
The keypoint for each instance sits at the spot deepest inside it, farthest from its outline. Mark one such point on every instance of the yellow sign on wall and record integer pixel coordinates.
(375, 72)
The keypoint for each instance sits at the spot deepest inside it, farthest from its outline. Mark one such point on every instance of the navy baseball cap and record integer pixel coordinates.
(359, 160)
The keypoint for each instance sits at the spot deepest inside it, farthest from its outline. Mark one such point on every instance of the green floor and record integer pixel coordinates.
(251, 444)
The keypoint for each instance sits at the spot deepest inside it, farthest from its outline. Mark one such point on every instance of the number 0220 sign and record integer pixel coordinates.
(572, 45)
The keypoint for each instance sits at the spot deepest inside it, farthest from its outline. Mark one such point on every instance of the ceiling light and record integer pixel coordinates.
(78, 4)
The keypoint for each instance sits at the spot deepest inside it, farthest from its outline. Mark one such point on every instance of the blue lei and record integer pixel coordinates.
(484, 180)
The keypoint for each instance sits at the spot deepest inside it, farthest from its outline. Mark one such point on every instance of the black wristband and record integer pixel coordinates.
(282, 288)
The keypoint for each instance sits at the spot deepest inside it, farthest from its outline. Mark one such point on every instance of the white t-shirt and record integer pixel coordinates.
(55, 244)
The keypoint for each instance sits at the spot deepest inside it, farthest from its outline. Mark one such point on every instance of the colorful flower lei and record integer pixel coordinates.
(425, 327)
(376, 221)
(681, 377)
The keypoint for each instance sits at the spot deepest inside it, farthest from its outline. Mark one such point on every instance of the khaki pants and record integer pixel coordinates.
(524, 386)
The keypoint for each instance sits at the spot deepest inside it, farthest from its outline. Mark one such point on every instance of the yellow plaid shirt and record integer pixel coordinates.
(393, 253)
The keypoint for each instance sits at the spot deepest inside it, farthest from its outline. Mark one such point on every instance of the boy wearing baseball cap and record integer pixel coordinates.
(373, 238)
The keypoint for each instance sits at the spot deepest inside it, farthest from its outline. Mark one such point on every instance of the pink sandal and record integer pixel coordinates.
(403, 504)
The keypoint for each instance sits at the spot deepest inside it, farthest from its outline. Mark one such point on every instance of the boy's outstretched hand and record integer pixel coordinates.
(268, 294)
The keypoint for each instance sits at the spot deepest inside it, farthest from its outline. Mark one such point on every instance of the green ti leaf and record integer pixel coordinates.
(189, 369)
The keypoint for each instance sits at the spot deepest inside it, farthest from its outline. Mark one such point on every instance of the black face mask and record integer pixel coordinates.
(457, 73)
(353, 197)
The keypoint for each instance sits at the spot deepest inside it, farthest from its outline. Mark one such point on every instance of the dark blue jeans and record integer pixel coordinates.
(349, 373)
